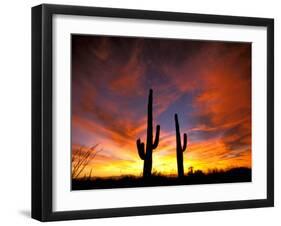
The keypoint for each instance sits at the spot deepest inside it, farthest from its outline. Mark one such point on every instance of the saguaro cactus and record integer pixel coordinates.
(146, 155)
(180, 148)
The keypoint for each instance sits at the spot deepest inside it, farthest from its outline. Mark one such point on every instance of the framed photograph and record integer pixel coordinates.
(146, 112)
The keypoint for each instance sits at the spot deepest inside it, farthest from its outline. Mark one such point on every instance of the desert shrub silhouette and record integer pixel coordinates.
(239, 174)
(81, 157)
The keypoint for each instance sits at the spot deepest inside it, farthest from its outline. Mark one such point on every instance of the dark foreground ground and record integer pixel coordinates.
(197, 177)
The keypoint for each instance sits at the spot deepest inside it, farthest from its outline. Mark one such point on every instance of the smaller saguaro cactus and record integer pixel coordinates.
(180, 148)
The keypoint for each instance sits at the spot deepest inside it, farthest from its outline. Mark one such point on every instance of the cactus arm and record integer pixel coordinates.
(156, 140)
(140, 146)
(184, 142)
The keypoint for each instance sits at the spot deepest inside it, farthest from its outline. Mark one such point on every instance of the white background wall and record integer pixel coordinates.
(15, 113)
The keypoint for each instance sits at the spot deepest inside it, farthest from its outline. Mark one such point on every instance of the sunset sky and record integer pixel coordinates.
(208, 84)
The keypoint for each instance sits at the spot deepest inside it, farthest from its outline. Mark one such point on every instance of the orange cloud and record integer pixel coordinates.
(129, 75)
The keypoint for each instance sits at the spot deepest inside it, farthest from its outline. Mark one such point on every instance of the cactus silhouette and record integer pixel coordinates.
(180, 148)
(146, 153)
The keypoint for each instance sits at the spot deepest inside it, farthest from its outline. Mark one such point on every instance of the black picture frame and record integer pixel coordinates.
(42, 106)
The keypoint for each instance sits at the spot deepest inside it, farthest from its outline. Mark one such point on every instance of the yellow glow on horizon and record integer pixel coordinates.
(203, 156)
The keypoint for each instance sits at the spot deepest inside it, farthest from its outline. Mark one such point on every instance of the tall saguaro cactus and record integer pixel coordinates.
(146, 155)
(180, 148)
